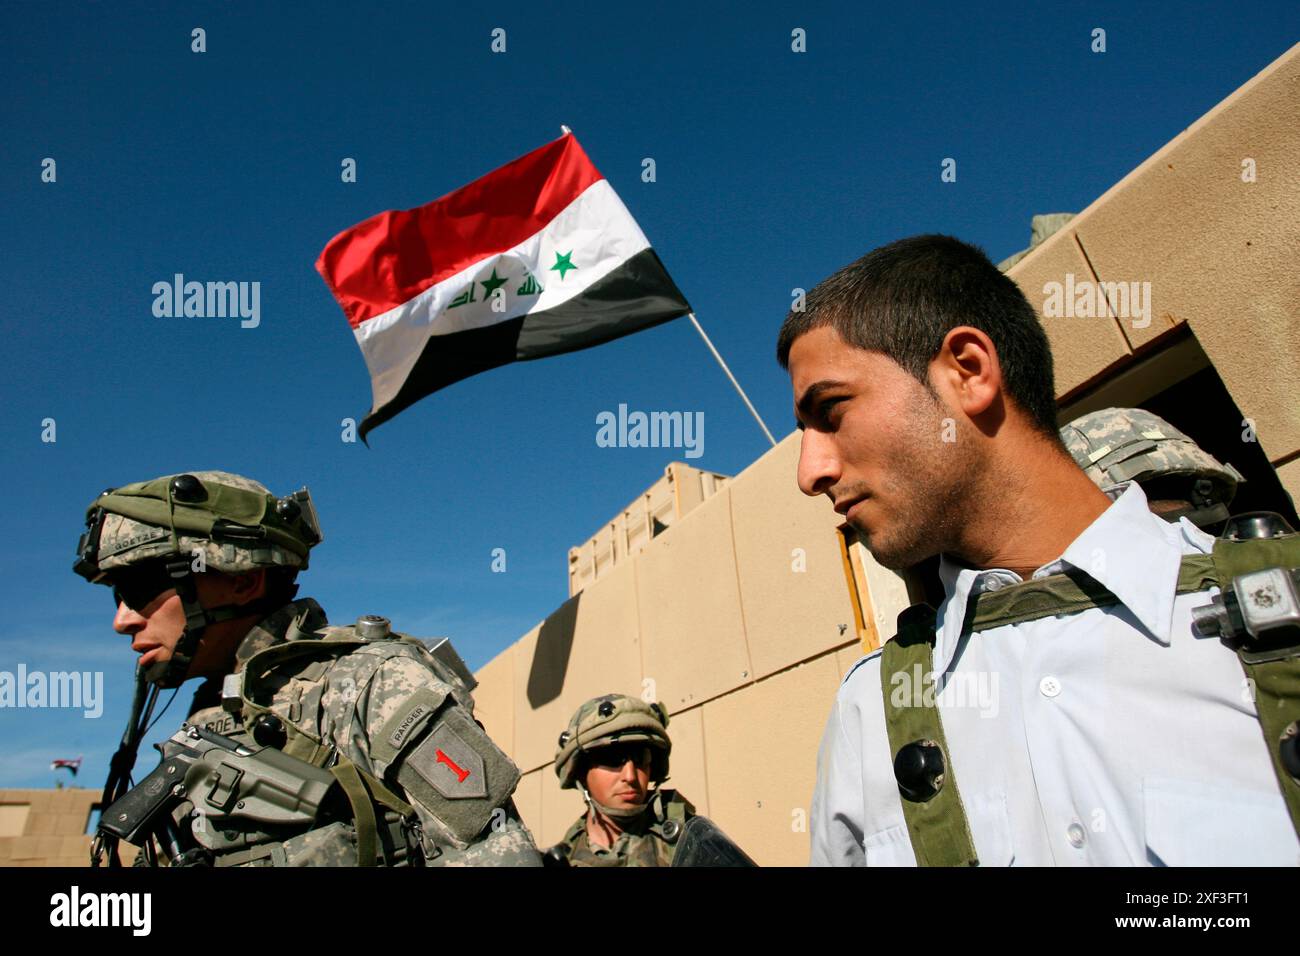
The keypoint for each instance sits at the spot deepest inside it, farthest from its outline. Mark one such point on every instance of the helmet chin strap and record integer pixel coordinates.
(617, 813)
(173, 671)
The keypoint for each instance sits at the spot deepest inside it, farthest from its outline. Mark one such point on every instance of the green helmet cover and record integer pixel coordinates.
(613, 718)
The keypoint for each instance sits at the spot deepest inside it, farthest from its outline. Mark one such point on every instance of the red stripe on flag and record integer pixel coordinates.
(392, 257)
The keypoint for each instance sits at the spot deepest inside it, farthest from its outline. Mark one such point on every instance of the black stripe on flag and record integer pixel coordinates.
(637, 295)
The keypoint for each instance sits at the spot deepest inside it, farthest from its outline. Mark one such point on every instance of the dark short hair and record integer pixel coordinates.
(903, 298)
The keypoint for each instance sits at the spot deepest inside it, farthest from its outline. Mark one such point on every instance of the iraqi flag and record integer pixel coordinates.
(62, 764)
(537, 258)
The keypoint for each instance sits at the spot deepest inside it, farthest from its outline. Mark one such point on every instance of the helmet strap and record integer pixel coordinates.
(616, 813)
(173, 671)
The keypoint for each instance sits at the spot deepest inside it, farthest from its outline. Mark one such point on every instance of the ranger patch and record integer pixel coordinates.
(401, 728)
(457, 774)
(409, 721)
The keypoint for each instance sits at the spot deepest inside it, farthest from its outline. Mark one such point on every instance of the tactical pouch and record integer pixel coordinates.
(1272, 664)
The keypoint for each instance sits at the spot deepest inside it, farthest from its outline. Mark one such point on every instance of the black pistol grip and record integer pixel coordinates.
(132, 815)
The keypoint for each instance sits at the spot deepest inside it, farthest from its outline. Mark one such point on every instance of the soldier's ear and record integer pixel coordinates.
(249, 585)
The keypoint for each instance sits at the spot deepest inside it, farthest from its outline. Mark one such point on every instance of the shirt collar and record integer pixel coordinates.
(1131, 552)
(958, 584)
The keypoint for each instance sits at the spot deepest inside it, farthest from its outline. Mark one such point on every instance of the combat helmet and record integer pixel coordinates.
(178, 525)
(1118, 445)
(613, 718)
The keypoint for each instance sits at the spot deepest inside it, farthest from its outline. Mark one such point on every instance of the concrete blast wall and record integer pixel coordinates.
(744, 615)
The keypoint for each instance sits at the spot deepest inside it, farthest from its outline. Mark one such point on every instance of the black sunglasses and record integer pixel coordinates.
(616, 756)
(137, 586)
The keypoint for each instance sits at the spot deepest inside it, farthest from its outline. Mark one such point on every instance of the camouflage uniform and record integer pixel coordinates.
(1117, 445)
(649, 840)
(649, 836)
(342, 698)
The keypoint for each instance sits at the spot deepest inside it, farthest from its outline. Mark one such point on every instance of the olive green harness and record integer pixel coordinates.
(937, 822)
(376, 809)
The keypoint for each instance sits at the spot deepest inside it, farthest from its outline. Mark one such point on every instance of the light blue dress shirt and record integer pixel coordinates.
(1114, 737)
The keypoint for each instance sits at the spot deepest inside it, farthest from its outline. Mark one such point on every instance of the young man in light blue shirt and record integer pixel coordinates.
(1114, 735)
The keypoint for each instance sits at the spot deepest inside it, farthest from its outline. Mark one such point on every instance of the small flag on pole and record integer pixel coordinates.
(537, 258)
(62, 764)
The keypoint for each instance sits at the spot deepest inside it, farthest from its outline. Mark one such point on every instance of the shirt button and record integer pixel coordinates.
(1049, 686)
(1076, 834)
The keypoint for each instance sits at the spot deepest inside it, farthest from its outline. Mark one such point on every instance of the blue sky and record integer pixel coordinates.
(773, 169)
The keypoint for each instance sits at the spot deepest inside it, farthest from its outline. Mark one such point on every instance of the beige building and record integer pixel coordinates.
(745, 604)
(46, 827)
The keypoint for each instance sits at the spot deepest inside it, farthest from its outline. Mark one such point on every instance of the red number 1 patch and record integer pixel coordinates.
(443, 758)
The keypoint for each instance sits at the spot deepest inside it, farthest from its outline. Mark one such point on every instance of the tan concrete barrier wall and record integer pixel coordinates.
(743, 617)
(45, 827)
(739, 619)
(1218, 251)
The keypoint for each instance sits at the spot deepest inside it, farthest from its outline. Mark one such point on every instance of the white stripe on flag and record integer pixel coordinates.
(596, 229)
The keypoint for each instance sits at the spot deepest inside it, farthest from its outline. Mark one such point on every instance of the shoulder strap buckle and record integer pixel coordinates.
(936, 820)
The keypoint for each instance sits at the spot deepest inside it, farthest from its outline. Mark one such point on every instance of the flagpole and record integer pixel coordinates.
(748, 404)
(565, 131)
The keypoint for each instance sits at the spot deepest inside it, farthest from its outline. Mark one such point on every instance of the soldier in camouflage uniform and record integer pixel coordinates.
(615, 747)
(1117, 445)
(203, 568)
